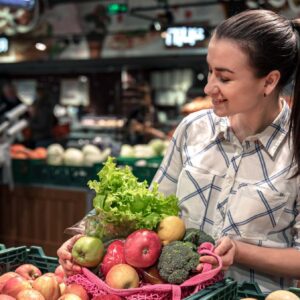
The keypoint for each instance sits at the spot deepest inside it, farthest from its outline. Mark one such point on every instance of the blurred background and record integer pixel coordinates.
(82, 80)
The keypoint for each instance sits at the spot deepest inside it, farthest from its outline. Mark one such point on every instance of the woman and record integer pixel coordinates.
(234, 168)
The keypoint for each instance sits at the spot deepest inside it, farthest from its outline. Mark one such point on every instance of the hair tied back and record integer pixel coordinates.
(295, 23)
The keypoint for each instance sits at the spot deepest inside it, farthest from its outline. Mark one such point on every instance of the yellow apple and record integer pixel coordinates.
(122, 276)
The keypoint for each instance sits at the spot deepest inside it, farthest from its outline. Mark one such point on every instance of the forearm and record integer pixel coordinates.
(284, 262)
(155, 132)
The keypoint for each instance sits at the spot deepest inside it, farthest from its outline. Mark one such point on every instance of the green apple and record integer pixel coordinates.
(88, 251)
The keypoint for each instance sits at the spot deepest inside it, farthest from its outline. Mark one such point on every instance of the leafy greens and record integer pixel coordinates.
(124, 204)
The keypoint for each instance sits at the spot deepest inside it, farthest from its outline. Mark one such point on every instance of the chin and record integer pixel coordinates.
(220, 113)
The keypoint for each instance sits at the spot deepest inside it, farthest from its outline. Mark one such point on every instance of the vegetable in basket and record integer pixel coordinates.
(197, 237)
(123, 204)
(177, 261)
(114, 255)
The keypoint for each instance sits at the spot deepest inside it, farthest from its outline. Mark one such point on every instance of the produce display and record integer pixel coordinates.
(27, 282)
(134, 239)
(56, 155)
(87, 156)
(18, 151)
(156, 147)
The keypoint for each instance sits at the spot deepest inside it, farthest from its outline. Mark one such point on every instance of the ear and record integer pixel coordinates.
(271, 82)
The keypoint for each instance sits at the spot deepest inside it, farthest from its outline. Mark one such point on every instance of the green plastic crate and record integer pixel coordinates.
(75, 176)
(11, 258)
(250, 290)
(295, 291)
(154, 161)
(39, 172)
(21, 169)
(142, 168)
(223, 290)
(144, 173)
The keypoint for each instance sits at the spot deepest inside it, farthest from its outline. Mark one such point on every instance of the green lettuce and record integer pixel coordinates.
(123, 204)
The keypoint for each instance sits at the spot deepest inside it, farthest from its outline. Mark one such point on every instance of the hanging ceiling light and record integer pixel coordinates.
(40, 46)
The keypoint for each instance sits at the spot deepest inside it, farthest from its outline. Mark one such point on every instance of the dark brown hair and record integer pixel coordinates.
(272, 43)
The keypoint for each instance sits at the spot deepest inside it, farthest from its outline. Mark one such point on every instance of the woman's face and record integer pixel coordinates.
(232, 84)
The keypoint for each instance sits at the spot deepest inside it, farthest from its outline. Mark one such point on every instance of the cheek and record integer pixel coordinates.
(248, 90)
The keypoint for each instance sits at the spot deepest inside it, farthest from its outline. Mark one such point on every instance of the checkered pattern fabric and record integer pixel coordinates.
(243, 190)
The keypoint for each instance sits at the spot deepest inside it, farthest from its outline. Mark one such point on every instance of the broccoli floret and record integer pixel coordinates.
(204, 237)
(192, 235)
(176, 261)
(197, 237)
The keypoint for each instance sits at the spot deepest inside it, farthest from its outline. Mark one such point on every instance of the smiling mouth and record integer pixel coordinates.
(217, 101)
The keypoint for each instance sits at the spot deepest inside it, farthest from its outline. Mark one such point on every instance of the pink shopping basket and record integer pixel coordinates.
(95, 286)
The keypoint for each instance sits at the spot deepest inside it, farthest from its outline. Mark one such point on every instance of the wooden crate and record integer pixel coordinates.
(38, 216)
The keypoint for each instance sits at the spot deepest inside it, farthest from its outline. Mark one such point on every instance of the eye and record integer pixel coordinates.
(222, 79)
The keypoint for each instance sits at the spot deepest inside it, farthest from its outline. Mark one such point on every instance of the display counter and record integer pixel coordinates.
(38, 215)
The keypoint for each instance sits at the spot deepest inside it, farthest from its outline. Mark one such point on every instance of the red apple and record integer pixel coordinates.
(15, 285)
(48, 286)
(142, 248)
(88, 251)
(28, 271)
(69, 297)
(114, 255)
(77, 289)
(5, 277)
(30, 294)
(107, 297)
(60, 273)
(122, 276)
(6, 297)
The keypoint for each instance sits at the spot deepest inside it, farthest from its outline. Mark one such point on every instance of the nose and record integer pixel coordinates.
(210, 87)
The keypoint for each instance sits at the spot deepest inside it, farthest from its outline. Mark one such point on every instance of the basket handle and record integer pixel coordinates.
(206, 246)
(208, 272)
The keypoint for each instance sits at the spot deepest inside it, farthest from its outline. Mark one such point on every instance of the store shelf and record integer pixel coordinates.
(94, 66)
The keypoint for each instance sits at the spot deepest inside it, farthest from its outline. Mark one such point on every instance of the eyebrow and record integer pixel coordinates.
(224, 70)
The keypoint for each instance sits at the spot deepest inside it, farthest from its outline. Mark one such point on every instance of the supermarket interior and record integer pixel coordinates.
(100, 97)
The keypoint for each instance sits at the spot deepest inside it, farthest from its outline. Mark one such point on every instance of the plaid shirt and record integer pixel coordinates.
(242, 190)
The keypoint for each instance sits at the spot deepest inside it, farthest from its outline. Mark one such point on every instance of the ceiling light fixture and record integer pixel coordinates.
(40, 46)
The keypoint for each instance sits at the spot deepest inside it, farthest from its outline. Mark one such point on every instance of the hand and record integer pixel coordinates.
(65, 256)
(137, 126)
(226, 249)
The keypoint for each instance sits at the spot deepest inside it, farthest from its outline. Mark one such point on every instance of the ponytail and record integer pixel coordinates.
(295, 114)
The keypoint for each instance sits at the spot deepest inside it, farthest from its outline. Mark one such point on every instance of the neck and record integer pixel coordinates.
(245, 125)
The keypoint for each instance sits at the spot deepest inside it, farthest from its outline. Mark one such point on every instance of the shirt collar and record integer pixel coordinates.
(271, 138)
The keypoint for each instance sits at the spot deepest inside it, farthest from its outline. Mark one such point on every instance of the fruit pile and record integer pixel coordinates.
(19, 151)
(167, 255)
(28, 283)
(122, 264)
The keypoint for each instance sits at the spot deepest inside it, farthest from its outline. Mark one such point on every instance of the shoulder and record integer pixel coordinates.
(201, 119)
(200, 125)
